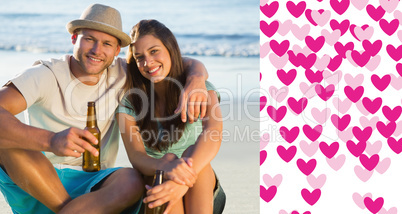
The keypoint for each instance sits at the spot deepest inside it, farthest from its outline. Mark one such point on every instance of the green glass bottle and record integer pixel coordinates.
(158, 179)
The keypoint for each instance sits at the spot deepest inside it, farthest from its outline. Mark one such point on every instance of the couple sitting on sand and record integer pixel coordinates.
(154, 98)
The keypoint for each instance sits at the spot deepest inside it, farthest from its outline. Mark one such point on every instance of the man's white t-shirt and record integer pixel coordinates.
(57, 100)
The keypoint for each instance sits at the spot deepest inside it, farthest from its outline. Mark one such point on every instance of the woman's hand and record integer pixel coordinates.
(179, 170)
(168, 192)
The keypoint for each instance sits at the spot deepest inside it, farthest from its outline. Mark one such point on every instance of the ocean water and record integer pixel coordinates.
(202, 28)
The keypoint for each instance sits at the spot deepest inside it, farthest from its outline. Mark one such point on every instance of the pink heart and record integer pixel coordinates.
(362, 135)
(372, 48)
(381, 83)
(322, 63)
(396, 82)
(297, 106)
(286, 154)
(374, 206)
(313, 77)
(311, 197)
(396, 146)
(321, 18)
(348, 54)
(331, 38)
(269, 10)
(354, 81)
(341, 106)
(335, 63)
(321, 116)
(361, 59)
(264, 140)
(363, 174)
(278, 94)
(297, 49)
(361, 108)
(312, 133)
(342, 27)
(309, 149)
(391, 210)
(264, 49)
(375, 13)
(383, 165)
(325, 93)
(354, 95)
(356, 149)
(364, 34)
(398, 130)
(272, 181)
(389, 5)
(263, 102)
(369, 162)
(346, 134)
(277, 114)
(284, 27)
(399, 68)
(308, 91)
(289, 135)
(263, 2)
(329, 150)
(359, 4)
(316, 183)
(341, 49)
(394, 53)
(336, 163)
(263, 156)
(340, 7)
(269, 29)
(366, 122)
(300, 32)
(358, 199)
(287, 77)
(341, 123)
(373, 63)
(296, 10)
(372, 106)
(400, 34)
(267, 194)
(332, 78)
(398, 15)
(389, 27)
(386, 130)
(278, 62)
(306, 167)
(307, 13)
(279, 48)
(373, 148)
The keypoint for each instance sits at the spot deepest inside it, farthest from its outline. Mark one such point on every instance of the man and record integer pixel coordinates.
(41, 162)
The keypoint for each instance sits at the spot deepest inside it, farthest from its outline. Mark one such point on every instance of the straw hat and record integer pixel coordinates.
(101, 18)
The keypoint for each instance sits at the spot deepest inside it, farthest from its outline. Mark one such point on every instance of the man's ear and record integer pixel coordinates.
(117, 50)
(74, 38)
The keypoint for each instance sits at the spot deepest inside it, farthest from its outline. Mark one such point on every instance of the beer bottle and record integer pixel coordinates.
(91, 163)
(158, 179)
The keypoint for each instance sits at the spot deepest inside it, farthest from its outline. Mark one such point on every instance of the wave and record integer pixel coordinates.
(219, 36)
(196, 49)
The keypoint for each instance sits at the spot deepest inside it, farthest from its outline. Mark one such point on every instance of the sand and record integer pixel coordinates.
(237, 163)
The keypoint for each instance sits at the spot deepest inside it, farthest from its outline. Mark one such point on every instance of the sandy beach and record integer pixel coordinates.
(237, 163)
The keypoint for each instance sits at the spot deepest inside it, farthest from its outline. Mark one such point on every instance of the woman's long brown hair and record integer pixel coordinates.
(174, 127)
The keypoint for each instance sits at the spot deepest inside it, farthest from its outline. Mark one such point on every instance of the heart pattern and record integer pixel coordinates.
(331, 75)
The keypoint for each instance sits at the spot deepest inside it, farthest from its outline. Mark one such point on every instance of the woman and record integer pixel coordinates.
(156, 138)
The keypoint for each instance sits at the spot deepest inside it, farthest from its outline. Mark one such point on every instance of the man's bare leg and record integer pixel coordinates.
(34, 173)
(119, 191)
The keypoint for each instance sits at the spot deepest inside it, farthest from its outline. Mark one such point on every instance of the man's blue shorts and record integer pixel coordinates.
(75, 182)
